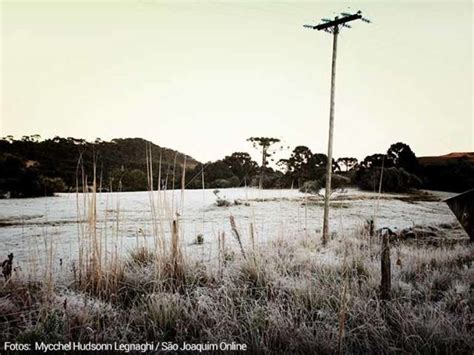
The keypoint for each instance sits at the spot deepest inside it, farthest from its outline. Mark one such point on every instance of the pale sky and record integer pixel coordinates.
(203, 77)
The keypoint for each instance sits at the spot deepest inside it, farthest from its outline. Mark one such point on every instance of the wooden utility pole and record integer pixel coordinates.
(327, 194)
(332, 26)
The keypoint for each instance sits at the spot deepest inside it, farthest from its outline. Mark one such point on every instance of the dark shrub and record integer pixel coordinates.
(393, 180)
(17, 180)
(272, 179)
(52, 185)
(337, 182)
(224, 183)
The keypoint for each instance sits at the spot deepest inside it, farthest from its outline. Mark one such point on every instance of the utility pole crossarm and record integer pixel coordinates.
(337, 21)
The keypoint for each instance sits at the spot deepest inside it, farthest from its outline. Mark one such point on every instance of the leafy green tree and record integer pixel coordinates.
(402, 156)
(17, 180)
(303, 165)
(319, 160)
(241, 165)
(271, 179)
(375, 160)
(300, 164)
(217, 170)
(52, 185)
(35, 138)
(134, 180)
(393, 180)
(349, 164)
(399, 173)
(8, 139)
(314, 186)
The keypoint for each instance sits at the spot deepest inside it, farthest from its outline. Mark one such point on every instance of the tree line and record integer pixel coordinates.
(33, 167)
(30, 166)
(306, 170)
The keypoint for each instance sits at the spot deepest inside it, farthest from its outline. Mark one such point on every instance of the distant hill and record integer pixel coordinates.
(450, 172)
(446, 159)
(120, 163)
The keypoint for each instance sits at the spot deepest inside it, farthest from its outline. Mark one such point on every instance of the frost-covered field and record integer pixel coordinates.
(286, 294)
(125, 219)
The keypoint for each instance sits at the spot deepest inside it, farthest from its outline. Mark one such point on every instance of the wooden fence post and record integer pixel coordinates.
(386, 283)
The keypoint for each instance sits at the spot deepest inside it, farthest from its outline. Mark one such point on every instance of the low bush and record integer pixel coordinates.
(225, 183)
(337, 182)
(393, 180)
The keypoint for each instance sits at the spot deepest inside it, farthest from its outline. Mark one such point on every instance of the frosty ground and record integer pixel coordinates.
(264, 280)
(27, 225)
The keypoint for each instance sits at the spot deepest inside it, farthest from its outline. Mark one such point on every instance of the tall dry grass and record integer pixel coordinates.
(289, 298)
(291, 295)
